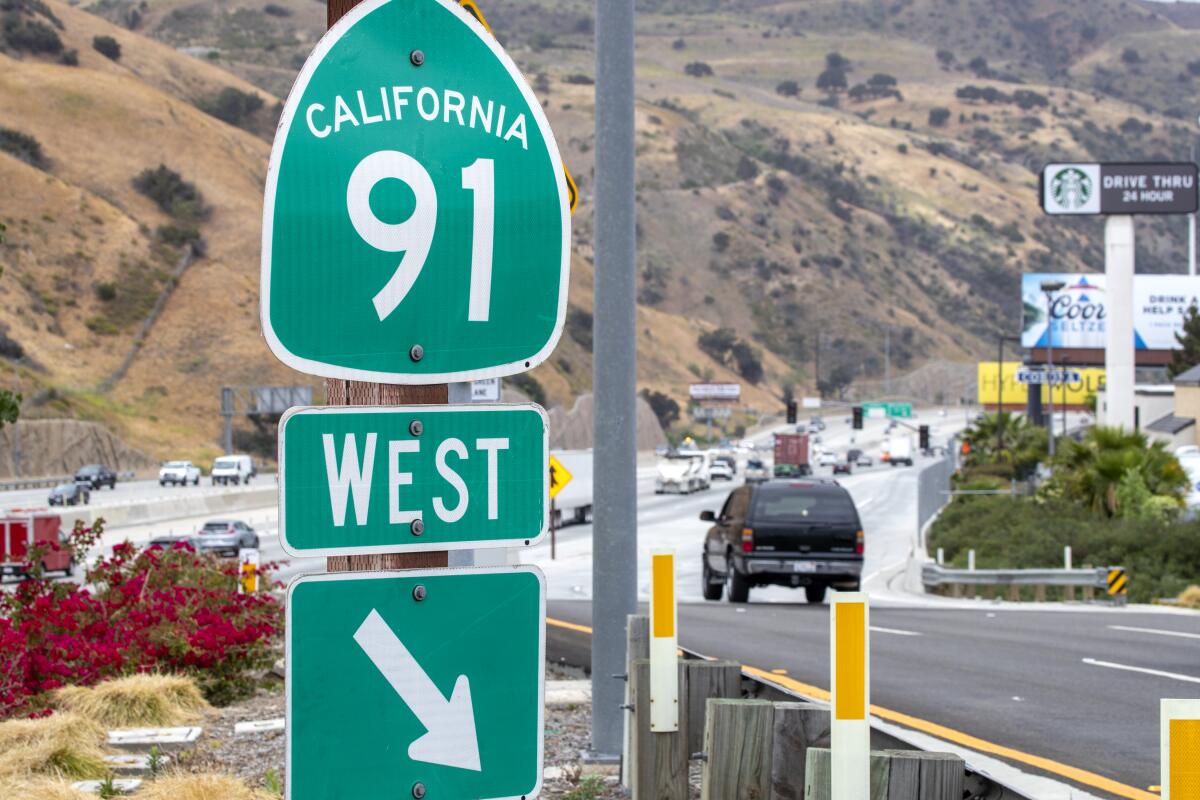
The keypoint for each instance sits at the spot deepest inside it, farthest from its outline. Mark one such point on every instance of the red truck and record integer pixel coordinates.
(791, 455)
(22, 529)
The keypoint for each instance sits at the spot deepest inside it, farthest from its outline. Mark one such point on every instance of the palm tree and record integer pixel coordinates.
(1089, 471)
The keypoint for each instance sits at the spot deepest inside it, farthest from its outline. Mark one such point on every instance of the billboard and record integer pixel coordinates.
(1079, 311)
(1015, 393)
(715, 391)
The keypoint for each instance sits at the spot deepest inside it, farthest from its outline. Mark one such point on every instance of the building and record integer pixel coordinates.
(1179, 427)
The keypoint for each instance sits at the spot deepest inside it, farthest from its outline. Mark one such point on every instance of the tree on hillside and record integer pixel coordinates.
(108, 47)
(788, 88)
(938, 116)
(663, 406)
(832, 80)
(836, 60)
(1188, 354)
(698, 69)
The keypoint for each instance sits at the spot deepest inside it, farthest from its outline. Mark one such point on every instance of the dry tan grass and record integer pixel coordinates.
(136, 701)
(201, 786)
(62, 745)
(1190, 597)
(40, 789)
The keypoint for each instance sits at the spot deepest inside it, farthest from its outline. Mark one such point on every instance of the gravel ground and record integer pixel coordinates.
(257, 758)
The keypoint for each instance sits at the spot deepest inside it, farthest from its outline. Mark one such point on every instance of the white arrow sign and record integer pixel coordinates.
(450, 738)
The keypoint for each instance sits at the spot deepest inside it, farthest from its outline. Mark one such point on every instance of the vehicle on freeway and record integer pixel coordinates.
(75, 493)
(816, 424)
(233, 469)
(719, 470)
(843, 467)
(682, 472)
(861, 459)
(827, 458)
(227, 536)
(179, 473)
(96, 476)
(783, 533)
(791, 455)
(899, 450)
(756, 471)
(167, 542)
(729, 460)
(21, 531)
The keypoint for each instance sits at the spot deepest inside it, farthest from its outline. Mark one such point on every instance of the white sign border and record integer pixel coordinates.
(322, 369)
(426, 546)
(421, 573)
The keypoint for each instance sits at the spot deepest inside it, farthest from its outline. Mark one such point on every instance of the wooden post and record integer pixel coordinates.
(737, 739)
(721, 680)
(798, 726)
(895, 775)
(1014, 593)
(553, 531)
(660, 760)
(1089, 592)
(637, 645)
(1039, 593)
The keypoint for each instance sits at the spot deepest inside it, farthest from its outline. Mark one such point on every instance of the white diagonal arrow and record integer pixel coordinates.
(450, 737)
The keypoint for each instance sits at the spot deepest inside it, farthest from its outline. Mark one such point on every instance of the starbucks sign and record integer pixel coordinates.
(1164, 188)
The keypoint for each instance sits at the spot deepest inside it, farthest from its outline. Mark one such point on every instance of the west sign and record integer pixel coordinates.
(362, 479)
(1158, 188)
(416, 226)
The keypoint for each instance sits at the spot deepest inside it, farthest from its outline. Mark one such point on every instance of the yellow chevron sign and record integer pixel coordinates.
(1118, 582)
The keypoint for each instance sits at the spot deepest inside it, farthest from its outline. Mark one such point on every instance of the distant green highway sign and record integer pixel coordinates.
(416, 224)
(903, 410)
(356, 479)
(423, 678)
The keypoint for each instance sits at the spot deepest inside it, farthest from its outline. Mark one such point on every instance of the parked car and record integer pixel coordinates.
(96, 476)
(233, 469)
(179, 473)
(70, 494)
(719, 470)
(756, 471)
(226, 536)
(784, 533)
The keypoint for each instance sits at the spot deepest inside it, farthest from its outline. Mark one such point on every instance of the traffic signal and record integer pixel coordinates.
(792, 410)
(858, 416)
(923, 433)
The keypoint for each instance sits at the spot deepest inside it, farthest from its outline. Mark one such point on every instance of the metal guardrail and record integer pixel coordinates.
(45, 483)
(933, 576)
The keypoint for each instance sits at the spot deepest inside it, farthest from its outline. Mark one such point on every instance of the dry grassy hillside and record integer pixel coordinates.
(805, 217)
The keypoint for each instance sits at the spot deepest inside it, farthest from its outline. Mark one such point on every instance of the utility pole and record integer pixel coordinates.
(887, 360)
(1050, 287)
(817, 366)
(614, 373)
(1192, 226)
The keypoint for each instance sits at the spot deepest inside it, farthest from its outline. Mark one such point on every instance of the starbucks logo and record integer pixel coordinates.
(1071, 188)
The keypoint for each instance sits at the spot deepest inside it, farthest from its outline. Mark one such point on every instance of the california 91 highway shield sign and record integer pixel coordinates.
(416, 226)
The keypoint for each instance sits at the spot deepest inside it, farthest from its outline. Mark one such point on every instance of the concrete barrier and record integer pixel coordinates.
(162, 509)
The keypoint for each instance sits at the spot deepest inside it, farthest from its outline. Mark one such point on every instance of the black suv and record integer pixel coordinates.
(96, 476)
(784, 533)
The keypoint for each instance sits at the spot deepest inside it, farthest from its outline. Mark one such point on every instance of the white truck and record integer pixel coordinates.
(898, 449)
(682, 472)
(573, 505)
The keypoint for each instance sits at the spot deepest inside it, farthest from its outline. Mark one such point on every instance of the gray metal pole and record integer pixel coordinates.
(1050, 368)
(614, 373)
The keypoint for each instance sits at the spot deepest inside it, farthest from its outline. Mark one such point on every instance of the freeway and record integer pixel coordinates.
(136, 491)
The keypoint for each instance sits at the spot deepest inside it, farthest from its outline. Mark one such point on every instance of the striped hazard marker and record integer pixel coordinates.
(1118, 583)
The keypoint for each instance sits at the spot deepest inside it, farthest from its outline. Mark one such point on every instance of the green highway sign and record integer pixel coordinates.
(416, 226)
(904, 410)
(429, 677)
(374, 479)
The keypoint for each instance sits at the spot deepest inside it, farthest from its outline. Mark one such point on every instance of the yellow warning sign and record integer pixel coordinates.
(1118, 582)
(471, 8)
(559, 477)
(572, 189)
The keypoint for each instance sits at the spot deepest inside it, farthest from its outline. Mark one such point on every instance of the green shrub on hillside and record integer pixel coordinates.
(30, 35)
(579, 327)
(108, 47)
(22, 146)
(232, 105)
(166, 187)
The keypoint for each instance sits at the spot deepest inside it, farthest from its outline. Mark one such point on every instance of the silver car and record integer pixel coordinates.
(227, 536)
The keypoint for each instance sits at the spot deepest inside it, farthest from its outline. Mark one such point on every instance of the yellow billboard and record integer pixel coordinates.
(1015, 394)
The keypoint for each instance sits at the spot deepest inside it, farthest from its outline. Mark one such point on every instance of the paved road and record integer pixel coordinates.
(125, 492)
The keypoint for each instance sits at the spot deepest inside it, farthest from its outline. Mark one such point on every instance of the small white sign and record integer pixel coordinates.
(258, 726)
(486, 390)
(812, 402)
(145, 737)
(715, 391)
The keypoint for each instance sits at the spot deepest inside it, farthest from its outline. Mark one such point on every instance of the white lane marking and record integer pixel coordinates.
(1155, 631)
(895, 631)
(1145, 671)
(870, 577)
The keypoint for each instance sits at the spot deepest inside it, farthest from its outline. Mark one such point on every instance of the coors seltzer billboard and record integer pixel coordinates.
(1078, 313)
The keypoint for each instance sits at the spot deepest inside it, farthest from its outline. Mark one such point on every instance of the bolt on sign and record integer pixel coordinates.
(416, 226)
(1161, 188)
(372, 479)
(422, 683)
